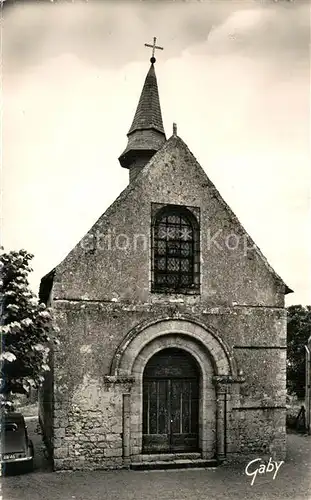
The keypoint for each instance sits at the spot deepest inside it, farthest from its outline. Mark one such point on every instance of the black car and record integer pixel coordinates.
(16, 448)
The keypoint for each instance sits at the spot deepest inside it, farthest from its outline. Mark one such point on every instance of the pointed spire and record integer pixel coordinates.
(146, 134)
(148, 113)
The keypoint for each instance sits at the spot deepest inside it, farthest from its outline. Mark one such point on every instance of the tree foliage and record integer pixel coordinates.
(298, 333)
(27, 330)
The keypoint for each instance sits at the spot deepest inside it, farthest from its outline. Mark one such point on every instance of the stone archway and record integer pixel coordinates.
(213, 359)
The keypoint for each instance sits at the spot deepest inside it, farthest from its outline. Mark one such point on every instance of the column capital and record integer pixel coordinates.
(223, 382)
(123, 381)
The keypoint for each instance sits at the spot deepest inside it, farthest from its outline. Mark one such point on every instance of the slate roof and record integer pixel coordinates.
(146, 135)
(148, 113)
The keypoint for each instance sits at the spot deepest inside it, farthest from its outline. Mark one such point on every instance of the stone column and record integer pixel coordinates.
(122, 384)
(222, 389)
(126, 428)
(226, 387)
(221, 422)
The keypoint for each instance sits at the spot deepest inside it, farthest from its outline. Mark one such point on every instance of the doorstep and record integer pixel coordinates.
(176, 463)
(161, 457)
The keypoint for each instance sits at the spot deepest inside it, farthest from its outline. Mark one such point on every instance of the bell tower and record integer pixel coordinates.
(146, 135)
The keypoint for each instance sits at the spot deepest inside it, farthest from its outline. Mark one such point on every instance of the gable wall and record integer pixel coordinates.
(119, 267)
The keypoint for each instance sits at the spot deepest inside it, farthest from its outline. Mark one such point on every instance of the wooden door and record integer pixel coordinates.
(170, 403)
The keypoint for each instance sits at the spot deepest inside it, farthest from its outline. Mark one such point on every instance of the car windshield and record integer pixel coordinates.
(9, 427)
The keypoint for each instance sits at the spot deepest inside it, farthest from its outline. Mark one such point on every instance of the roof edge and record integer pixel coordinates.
(221, 200)
(130, 187)
(46, 285)
(148, 127)
(111, 208)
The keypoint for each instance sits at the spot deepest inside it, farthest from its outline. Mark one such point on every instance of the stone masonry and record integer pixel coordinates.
(111, 324)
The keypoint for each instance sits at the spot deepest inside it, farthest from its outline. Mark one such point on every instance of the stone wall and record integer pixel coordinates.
(45, 408)
(88, 413)
(257, 433)
(88, 427)
(90, 333)
(102, 291)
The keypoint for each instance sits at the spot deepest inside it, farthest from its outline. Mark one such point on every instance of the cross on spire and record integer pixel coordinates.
(154, 47)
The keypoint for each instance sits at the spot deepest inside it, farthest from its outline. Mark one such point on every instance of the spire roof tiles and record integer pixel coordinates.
(148, 113)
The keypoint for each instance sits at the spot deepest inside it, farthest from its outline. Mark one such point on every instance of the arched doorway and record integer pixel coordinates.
(171, 382)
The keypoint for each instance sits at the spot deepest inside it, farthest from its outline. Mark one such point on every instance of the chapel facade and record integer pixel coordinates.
(172, 324)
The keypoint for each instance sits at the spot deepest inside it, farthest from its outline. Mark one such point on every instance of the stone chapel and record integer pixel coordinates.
(172, 324)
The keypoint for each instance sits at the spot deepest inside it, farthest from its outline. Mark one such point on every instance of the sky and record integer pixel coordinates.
(234, 76)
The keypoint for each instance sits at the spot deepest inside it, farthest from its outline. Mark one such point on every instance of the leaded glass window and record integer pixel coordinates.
(175, 251)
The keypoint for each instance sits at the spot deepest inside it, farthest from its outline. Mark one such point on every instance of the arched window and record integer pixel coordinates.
(175, 251)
